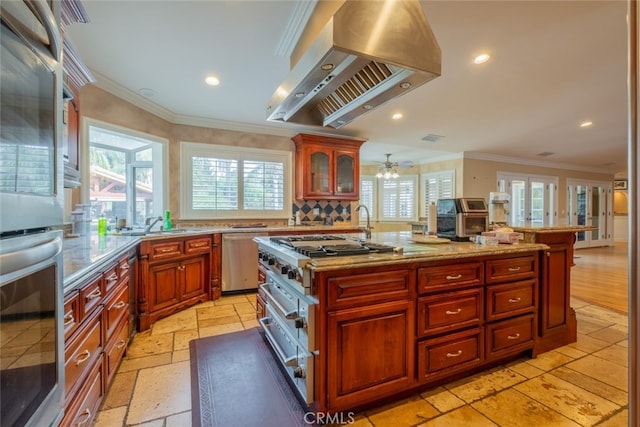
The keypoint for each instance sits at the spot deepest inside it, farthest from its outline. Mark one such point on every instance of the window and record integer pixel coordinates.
(437, 185)
(126, 171)
(223, 181)
(398, 198)
(368, 189)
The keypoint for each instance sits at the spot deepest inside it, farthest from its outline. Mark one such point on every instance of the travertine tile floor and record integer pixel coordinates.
(582, 384)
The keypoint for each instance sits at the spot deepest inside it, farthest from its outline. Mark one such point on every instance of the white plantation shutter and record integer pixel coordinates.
(263, 185)
(367, 196)
(438, 185)
(398, 198)
(215, 184)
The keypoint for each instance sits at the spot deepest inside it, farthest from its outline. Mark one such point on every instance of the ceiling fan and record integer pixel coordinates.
(389, 169)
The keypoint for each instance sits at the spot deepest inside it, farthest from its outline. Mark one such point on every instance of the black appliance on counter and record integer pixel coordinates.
(461, 218)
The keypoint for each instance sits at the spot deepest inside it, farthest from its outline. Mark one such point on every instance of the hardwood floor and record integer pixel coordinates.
(600, 276)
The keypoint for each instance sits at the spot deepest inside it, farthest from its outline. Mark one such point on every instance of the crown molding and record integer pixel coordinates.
(520, 161)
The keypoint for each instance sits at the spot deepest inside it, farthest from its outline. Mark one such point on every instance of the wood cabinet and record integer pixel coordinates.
(327, 168)
(216, 266)
(96, 322)
(370, 329)
(175, 273)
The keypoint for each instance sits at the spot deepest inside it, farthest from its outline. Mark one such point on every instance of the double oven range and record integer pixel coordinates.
(290, 299)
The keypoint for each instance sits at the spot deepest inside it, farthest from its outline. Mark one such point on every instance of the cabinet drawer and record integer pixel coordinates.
(359, 289)
(510, 299)
(448, 277)
(446, 355)
(165, 250)
(82, 352)
(440, 313)
(111, 278)
(509, 269)
(123, 269)
(115, 309)
(199, 245)
(83, 408)
(71, 319)
(510, 336)
(116, 347)
(91, 296)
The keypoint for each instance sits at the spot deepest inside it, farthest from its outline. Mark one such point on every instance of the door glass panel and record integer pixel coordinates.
(595, 212)
(320, 172)
(345, 167)
(518, 202)
(537, 204)
(581, 209)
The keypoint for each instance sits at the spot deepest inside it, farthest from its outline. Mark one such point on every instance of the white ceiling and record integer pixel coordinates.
(554, 65)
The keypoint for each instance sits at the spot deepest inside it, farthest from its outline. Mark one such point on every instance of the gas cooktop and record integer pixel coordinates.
(317, 246)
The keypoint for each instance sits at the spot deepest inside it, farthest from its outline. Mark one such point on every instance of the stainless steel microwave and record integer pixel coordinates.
(31, 180)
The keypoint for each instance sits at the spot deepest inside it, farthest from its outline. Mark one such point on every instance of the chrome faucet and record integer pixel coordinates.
(149, 223)
(367, 230)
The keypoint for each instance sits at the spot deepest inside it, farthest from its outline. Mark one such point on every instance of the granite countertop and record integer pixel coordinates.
(86, 255)
(414, 252)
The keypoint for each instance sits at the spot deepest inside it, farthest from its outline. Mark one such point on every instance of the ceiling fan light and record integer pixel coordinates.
(387, 175)
(379, 175)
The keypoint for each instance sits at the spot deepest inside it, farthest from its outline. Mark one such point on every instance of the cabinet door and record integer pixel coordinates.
(320, 180)
(194, 282)
(163, 286)
(345, 167)
(371, 353)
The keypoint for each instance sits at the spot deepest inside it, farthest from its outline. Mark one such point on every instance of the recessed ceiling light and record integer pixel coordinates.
(585, 124)
(481, 59)
(212, 80)
(397, 116)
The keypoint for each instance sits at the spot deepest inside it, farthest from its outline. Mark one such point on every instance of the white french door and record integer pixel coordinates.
(534, 199)
(591, 203)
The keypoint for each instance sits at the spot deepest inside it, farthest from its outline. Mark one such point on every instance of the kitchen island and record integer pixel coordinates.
(378, 326)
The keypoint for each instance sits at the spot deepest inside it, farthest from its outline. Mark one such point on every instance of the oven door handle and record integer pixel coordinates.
(288, 314)
(287, 360)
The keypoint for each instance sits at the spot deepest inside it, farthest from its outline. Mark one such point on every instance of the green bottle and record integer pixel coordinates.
(102, 225)
(167, 220)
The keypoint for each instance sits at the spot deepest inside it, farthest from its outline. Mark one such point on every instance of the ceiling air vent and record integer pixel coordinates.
(545, 154)
(432, 137)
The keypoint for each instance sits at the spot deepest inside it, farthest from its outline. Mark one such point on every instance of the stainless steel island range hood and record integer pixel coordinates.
(368, 53)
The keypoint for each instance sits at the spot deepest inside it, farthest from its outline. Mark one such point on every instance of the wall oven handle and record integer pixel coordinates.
(291, 314)
(44, 13)
(23, 258)
(287, 360)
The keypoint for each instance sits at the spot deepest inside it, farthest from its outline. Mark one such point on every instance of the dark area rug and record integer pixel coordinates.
(236, 382)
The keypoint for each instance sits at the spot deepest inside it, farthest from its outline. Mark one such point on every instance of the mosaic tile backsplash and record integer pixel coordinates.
(336, 210)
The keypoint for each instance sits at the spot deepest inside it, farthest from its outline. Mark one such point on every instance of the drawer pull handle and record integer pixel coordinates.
(513, 269)
(68, 319)
(198, 245)
(96, 293)
(120, 305)
(181, 268)
(456, 354)
(457, 276)
(165, 250)
(83, 357)
(87, 416)
(112, 278)
(513, 337)
(124, 268)
(120, 344)
(514, 300)
(449, 312)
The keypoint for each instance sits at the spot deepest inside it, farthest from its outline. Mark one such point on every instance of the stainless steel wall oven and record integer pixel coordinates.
(31, 330)
(31, 172)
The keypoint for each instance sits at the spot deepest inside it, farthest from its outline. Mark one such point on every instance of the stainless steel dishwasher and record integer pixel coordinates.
(239, 261)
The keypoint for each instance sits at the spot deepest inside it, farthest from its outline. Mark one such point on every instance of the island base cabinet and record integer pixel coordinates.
(450, 354)
(372, 355)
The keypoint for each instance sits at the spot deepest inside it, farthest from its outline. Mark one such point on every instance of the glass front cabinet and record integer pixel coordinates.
(327, 168)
